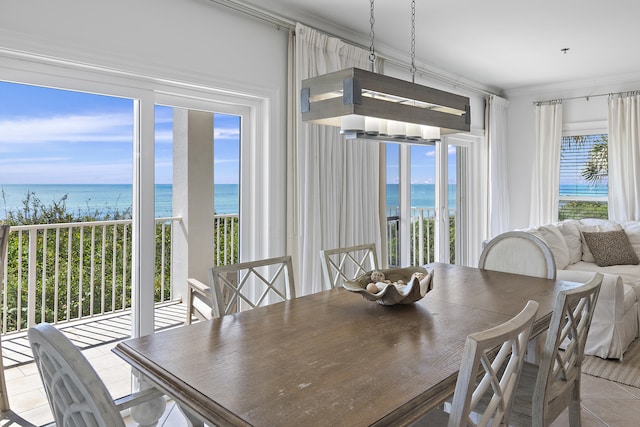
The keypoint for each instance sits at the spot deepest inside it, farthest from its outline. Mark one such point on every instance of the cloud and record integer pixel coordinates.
(451, 149)
(18, 161)
(164, 136)
(72, 128)
(226, 133)
(65, 171)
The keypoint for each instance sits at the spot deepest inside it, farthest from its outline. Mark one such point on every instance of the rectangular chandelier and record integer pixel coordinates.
(369, 105)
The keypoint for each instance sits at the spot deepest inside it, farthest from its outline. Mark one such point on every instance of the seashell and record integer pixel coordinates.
(377, 276)
(371, 287)
(400, 292)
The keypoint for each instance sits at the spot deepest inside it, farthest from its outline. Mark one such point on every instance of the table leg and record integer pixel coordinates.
(147, 413)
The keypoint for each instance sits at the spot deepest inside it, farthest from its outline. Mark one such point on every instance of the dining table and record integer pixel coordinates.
(333, 358)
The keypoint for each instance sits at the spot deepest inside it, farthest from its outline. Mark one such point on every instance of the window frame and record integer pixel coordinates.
(582, 129)
(260, 133)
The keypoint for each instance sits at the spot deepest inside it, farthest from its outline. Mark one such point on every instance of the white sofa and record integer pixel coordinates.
(617, 315)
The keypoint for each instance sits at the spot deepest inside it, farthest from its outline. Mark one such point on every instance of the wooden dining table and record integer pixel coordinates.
(333, 358)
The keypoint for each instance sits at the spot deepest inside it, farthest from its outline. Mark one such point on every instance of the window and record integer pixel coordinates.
(65, 154)
(583, 176)
(412, 223)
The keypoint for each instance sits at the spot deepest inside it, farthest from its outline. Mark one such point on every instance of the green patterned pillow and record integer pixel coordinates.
(611, 248)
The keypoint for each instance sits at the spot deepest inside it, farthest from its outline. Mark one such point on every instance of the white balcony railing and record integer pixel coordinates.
(421, 239)
(64, 272)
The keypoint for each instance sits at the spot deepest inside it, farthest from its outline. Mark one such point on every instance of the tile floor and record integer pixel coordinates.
(605, 403)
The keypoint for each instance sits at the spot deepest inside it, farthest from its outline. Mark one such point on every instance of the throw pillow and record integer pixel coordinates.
(586, 252)
(554, 239)
(611, 248)
(571, 234)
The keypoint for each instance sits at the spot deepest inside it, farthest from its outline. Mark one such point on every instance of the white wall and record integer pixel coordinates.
(521, 128)
(186, 40)
(193, 42)
(150, 49)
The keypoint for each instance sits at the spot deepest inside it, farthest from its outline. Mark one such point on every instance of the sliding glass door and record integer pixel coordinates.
(422, 196)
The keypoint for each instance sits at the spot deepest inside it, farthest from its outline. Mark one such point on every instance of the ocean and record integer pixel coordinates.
(422, 195)
(111, 197)
(105, 198)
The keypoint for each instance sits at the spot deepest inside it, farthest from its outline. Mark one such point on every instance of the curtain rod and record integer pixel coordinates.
(551, 101)
(282, 22)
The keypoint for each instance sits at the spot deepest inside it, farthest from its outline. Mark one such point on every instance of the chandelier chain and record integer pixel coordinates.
(413, 40)
(372, 50)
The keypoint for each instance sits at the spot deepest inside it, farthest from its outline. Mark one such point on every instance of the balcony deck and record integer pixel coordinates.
(95, 337)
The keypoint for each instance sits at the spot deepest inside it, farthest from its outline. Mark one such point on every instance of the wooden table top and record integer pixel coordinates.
(333, 358)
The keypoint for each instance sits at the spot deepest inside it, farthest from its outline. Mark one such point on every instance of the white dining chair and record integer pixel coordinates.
(341, 264)
(547, 389)
(488, 376)
(247, 285)
(518, 252)
(76, 394)
(199, 300)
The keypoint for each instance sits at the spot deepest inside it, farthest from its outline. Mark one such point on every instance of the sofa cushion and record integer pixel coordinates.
(611, 248)
(573, 239)
(597, 222)
(633, 232)
(552, 236)
(602, 226)
(630, 274)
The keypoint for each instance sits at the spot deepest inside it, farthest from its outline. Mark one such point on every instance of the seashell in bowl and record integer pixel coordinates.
(417, 285)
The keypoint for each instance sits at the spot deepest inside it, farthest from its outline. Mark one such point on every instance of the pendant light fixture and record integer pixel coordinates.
(365, 104)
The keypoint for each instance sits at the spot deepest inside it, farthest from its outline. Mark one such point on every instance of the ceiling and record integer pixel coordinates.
(497, 45)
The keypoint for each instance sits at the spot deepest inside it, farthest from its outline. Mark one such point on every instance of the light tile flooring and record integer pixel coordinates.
(605, 403)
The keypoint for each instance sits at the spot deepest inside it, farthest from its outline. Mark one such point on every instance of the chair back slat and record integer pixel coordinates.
(488, 400)
(561, 362)
(77, 396)
(251, 284)
(343, 264)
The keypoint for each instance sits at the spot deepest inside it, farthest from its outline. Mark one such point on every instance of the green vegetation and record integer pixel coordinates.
(594, 171)
(579, 210)
(89, 266)
(429, 239)
(597, 166)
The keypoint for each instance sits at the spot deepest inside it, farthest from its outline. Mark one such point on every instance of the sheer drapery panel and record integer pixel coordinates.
(624, 156)
(333, 183)
(498, 175)
(546, 170)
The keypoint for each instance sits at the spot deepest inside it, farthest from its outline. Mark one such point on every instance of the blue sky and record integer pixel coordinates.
(422, 164)
(64, 137)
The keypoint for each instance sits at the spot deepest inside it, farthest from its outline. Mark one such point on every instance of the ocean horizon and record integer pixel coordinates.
(105, 198)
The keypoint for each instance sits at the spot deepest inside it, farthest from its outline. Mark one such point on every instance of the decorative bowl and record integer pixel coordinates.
(392, 294)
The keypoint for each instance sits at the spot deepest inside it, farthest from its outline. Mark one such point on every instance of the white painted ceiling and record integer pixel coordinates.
(499, 45)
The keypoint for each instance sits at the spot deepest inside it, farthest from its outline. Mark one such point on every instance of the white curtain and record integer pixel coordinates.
(624, 157)
(333, 183)
(545, 180)
(498, 177)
